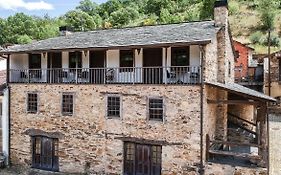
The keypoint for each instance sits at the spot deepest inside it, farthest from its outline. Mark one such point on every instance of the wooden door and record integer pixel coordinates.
(44, 154)
(97, 64)
(152, 63)
(55, 73)
(47, 154)
(143, 160)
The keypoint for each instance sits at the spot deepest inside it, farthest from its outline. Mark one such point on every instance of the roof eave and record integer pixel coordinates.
(176, 44)
(269, 99)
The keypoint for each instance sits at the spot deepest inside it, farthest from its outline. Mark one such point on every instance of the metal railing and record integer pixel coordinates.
(124, 75)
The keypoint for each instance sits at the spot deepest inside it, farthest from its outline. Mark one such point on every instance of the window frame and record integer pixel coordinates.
(120, 106)
(126, 68)
(27, 103)
(73, 104)
(163, 108)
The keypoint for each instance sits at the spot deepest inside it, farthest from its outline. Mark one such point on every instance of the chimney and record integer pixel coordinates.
(225, 58)
(221, 13)
(65, 30)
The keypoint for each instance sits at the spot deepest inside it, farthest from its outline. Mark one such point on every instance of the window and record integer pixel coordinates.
(113, 106)
(180, 56)
(236, 54)
(32, 103)
(34, 61)
(45, 153)
(75, 60)
(156, 110)
(126, 60)
(142, 159)
(67, 104)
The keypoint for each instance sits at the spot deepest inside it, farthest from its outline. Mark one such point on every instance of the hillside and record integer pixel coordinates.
(244, 19)
(245, 22)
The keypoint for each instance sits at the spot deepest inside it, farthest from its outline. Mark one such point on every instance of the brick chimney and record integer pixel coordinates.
(225, 62)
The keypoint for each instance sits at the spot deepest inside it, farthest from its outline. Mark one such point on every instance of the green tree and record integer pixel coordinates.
(23, 39)
(87, 6)
(79, 20)
(3, 31)
(109, 7)
(207, 9)
(267, 11)
(123, 16)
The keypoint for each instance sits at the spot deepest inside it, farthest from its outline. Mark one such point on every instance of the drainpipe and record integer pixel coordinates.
(267, 129)
(201, 168)
(269, 69)
(9, 108)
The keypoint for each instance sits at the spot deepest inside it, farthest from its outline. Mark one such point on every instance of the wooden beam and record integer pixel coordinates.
(235, 154)
(227, 143)
(232, 102)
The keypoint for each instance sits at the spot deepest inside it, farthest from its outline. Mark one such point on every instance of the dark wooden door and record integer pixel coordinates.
(55, 73)
(143, 160)
(47, 154)
(97, 64)
(152, 63)
(44, 154)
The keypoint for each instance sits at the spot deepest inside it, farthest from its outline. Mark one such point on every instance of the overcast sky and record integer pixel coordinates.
(38, 7)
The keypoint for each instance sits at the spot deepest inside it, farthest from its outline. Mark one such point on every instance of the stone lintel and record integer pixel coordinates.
(39, 132)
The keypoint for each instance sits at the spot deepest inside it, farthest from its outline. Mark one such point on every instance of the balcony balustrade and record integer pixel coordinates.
(125, 75)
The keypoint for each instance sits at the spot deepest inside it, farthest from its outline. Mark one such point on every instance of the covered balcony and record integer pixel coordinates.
(135, 75)
(173, 65)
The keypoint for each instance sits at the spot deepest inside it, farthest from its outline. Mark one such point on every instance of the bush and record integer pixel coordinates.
(233, 7)
(256, 37)
(274, 40)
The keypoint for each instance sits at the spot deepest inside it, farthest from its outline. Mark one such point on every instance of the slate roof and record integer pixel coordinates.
(234, 87)
(191, 32)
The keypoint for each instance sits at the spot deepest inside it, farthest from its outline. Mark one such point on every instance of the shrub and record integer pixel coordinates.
(256, 37)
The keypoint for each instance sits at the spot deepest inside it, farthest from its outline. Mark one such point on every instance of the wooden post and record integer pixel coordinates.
(207, 146)
(261, 117)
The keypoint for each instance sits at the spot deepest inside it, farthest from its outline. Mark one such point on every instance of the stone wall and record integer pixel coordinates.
(90, 140)
(210, 61)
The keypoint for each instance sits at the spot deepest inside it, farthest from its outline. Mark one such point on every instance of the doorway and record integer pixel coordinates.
(45, 153)
(152, 66)
(55, 73)
(97, 64)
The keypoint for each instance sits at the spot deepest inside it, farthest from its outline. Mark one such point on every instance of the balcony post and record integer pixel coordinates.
(165, 65)
(76, 76)
(8, 69)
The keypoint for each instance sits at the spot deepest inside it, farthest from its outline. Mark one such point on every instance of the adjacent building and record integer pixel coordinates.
(272, 85)
(144, 100)
(247, 71)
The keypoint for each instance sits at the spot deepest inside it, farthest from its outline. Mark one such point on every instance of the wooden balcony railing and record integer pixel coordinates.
(136, 75)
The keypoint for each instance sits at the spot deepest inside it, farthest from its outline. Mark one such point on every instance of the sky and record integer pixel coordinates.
(53, 8)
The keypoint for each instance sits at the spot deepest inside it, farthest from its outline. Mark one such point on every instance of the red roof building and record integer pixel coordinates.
(244, 57)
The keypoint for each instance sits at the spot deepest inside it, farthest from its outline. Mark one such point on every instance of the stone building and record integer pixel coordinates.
(248, 71)
(272, 85)
(144, 100)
